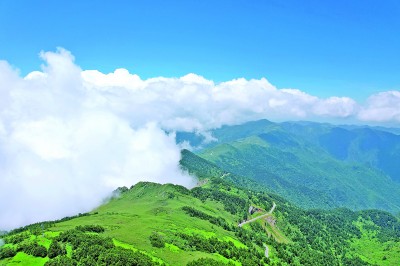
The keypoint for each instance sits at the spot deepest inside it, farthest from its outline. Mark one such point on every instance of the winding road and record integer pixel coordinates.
(259, 217)
(266, 251)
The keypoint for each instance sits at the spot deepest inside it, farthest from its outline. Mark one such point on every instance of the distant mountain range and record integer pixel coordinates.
(311, 164)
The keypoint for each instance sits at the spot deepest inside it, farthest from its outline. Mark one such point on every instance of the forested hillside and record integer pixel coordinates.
(313, 165)
(373, 147)
(154, 224)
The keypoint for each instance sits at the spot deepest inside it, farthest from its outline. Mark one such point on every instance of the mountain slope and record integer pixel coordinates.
(292, 159)
(367, 145)
(204, 169)
(153, 224)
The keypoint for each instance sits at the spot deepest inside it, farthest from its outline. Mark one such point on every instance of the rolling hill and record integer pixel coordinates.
(154, 224)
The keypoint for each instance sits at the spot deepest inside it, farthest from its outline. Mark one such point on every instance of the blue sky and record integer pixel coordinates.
(325, 48)
(75, 128)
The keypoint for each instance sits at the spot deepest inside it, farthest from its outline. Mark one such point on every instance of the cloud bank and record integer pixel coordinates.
(63, 149)
(70, 136)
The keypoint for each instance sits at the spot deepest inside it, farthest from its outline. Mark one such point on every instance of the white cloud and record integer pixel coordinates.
(382, 107)
(71, 136)
(62, 150)
(119, 78)
(336, 107)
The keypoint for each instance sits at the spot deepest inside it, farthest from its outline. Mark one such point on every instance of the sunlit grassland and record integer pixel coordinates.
(131, 218)
(374, 251)
(23, 259)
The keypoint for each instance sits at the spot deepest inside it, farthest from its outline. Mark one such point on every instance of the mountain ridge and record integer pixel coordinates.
(315, 165)
(154, 224)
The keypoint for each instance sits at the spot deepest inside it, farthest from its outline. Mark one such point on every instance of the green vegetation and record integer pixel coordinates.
(153, 224)
(312, 165)
(24, 260)
(157, 240)
(7, 252)
(56, 249)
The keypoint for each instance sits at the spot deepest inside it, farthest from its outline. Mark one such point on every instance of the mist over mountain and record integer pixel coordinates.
(219, 222)
(72, 135)
(199, 133)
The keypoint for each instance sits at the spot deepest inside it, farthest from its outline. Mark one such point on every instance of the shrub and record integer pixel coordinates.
(55, 250)
(15, 239)
(157, 240)
(61, 261)
(33, 249)
(208, 261)
(7, 253)
(39, 251)
(91, 228)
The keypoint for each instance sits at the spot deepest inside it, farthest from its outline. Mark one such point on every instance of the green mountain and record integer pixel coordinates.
(217, 223)
(313, 165)
(372, 147)
(238, 213)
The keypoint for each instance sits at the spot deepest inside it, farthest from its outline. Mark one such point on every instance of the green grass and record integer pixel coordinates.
(225, 260)
(172, 247)
(195, 231)
(372, 250)
(43, 241)
(23, 259)
(235, 242)
(69, 250)
(150, 208)
(276, 233)
(375, 252)
(51, 234)
(127, 246)
(131, 219)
